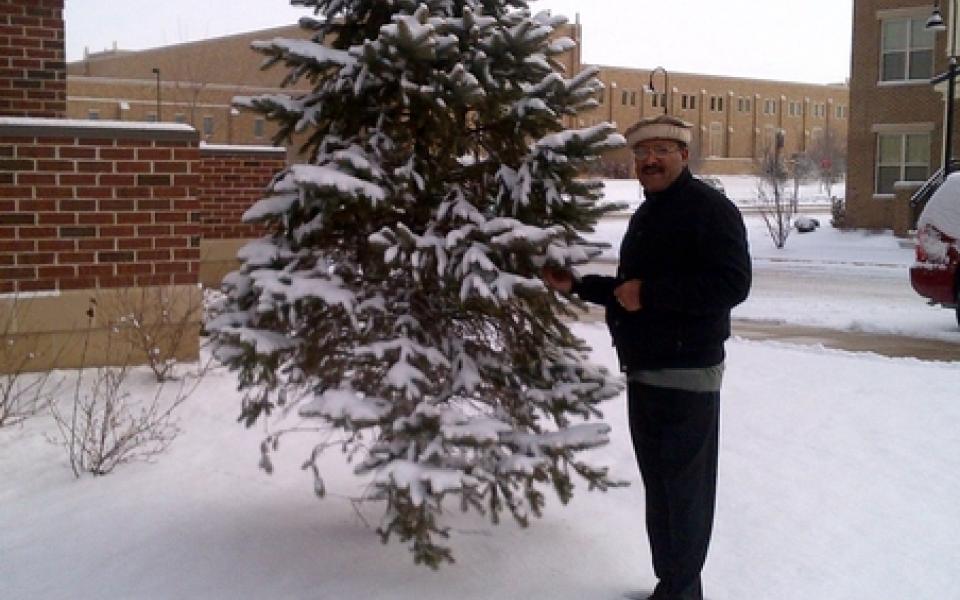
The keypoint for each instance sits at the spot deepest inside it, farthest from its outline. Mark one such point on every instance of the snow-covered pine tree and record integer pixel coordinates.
(397, 298)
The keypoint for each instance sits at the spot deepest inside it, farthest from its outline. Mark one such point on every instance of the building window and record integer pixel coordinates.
(258, 127)
(658, 100)
(93, 114)
(151, 117)
(743, 104)
(841, 111)
(208, 126)
(716, 139)
(180, 118)
(902, 157)
(907, 50)
(624, 97)
(633, 98)
(716, 103)
(796, 109)
(769, 107)
(602, 95)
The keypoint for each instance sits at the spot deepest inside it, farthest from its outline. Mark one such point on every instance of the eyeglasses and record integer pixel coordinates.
(642, 152)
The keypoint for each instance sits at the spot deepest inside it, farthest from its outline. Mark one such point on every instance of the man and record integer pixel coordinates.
(684, 264)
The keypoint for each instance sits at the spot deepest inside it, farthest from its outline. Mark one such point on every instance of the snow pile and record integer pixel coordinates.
(943, 209)
(938, 228)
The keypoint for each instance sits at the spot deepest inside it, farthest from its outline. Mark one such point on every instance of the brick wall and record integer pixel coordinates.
(33, 75)
(232, 178)
(88, 206)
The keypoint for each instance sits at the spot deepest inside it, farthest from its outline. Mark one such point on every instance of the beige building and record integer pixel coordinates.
(896, 129)
(735, 118)
(190, 83)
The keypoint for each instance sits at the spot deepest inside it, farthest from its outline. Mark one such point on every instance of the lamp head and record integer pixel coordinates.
(935, 22)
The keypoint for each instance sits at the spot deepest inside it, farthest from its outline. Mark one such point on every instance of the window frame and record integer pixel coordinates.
(907, 50)
(207, 119)
(903, 164)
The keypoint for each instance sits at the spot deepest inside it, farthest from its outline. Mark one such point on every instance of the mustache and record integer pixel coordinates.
(651, 170)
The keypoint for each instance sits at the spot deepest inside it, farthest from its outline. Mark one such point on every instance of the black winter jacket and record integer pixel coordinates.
(688, 247)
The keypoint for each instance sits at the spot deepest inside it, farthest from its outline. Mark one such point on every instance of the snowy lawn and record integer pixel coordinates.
(840, 476)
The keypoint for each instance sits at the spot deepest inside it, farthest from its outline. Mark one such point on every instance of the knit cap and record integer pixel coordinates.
(661, 127)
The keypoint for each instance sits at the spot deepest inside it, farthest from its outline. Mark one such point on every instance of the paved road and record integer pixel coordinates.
(886, 345)
(791, 280)
(852, 341)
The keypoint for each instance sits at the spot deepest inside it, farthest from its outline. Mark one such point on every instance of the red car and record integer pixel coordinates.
(935, 274)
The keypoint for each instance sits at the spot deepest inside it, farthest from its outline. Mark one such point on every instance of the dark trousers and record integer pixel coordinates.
(675, 436)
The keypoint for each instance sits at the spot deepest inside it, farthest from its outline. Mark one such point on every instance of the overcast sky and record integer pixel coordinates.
(767, 39)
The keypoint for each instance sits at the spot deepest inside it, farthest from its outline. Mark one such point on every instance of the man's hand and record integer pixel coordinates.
(628, 295)
(558, 279)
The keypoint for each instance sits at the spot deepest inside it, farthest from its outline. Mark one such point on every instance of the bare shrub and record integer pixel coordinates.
(155, 322)
(838, 212)
(829, 155)
(22, 393)
(777, 210)
(105, 424)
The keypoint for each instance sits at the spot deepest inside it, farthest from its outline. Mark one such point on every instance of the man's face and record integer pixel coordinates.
(659, 163)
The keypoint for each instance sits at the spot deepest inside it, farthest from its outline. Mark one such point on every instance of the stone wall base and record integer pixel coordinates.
(217, 258)
(88, 328)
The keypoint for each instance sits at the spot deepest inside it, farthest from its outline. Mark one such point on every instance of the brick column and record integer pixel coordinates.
(95, 218)
(232, 178)
(96, 207)
(33, 72)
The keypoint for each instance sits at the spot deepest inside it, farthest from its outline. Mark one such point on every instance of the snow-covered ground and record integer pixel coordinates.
(839, 480)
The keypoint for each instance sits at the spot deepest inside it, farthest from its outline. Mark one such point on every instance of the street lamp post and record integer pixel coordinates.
(156, 71)
(936, 23)
(666, 86)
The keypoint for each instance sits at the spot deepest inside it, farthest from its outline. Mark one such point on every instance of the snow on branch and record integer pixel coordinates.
(297, 51)
(421, 480)
(346, 405)
(576, 437)
(324, 178)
